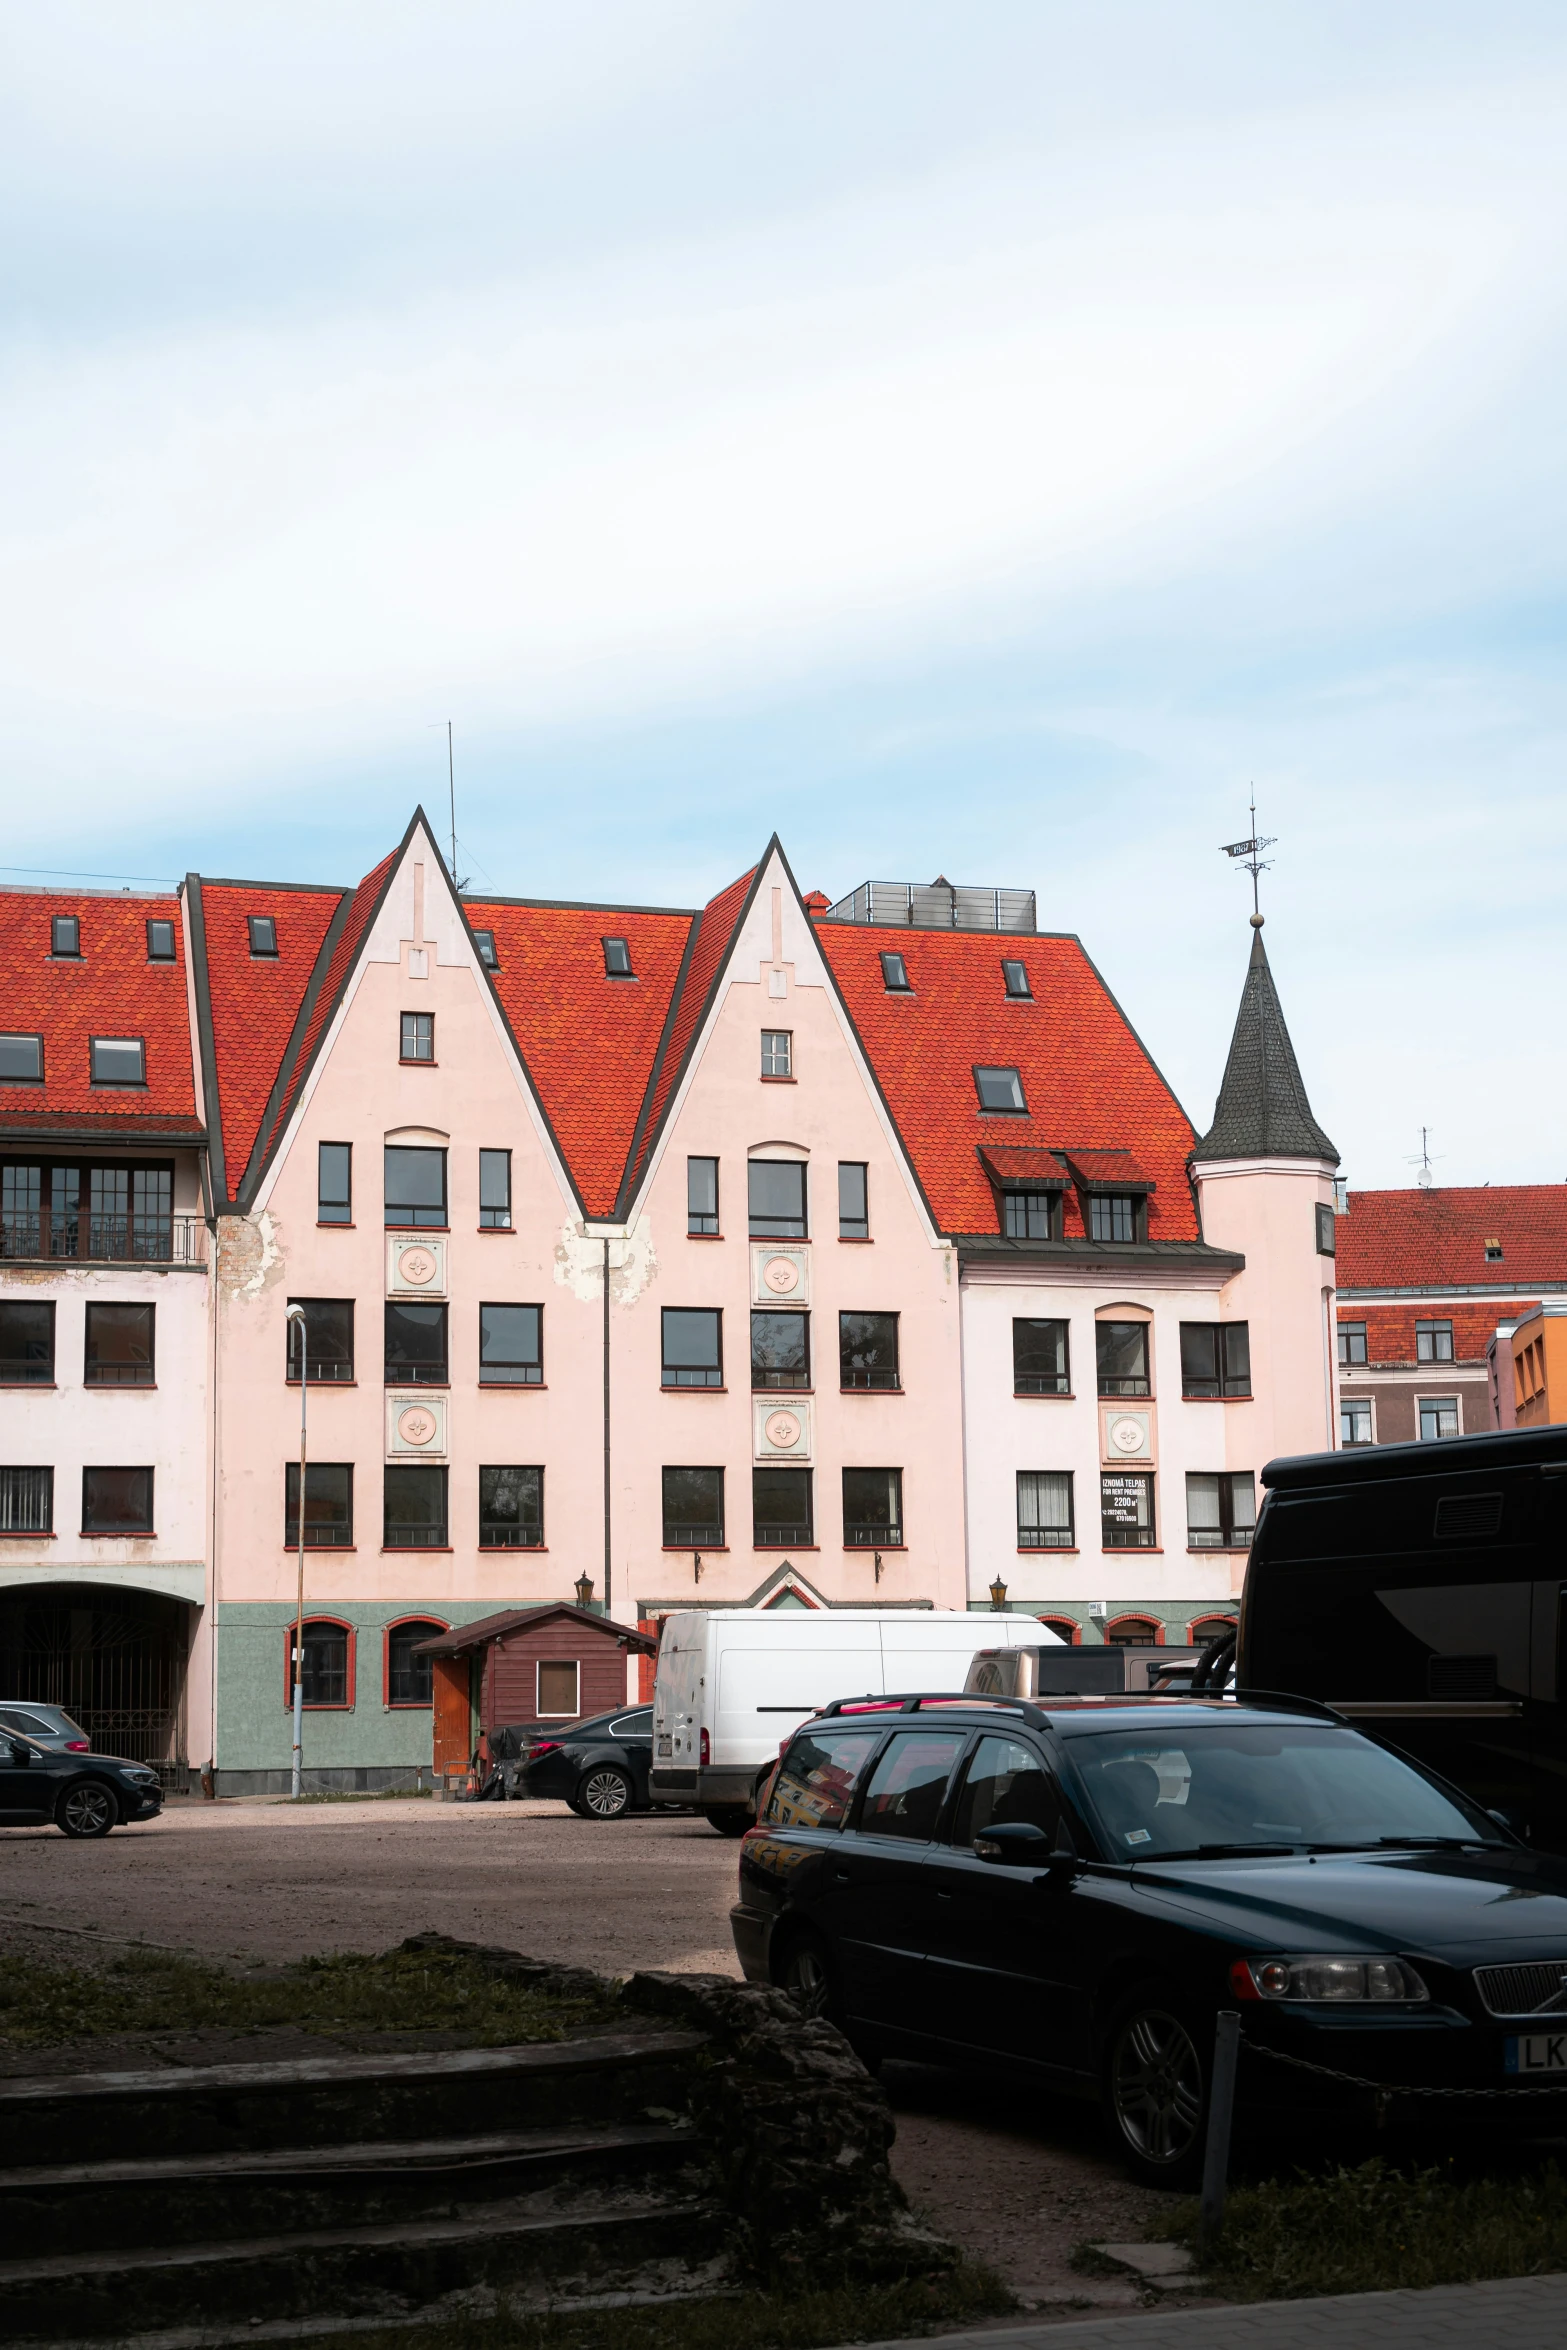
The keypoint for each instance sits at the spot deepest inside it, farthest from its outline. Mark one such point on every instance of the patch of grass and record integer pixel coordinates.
(743, 2321)
(1376, 2227)
(361, 1795)
(399, 1991)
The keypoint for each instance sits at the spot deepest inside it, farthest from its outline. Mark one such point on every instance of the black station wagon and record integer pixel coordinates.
(1071, 1891)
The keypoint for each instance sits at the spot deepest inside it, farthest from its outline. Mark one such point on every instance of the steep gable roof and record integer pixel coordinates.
(713, 936)
(589, 1041)
(1087, 1080)
(1418, 1239)
(113, 990)
(1262, 1111)
(253, 1002)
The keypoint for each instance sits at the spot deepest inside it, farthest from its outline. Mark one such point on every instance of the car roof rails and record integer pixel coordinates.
(875, 1702)
(1283, 1701)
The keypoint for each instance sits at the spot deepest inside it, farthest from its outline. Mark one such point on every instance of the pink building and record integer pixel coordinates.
(775, 1252)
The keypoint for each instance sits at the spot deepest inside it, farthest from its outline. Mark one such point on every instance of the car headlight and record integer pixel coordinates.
(142, 1778)
(1327, 1978)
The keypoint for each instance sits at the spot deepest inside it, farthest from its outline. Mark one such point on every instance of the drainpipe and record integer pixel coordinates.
(296, 1315)
(608, 1587)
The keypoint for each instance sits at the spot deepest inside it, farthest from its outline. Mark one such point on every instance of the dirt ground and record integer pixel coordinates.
(1017, 2180)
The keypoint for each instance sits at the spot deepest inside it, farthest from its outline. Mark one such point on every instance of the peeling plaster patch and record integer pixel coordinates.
(633, 1263)
(249, 1259)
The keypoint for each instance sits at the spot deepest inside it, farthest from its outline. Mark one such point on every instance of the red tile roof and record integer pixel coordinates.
(1420, 1239)
(362, 909)
(255, 1000)
(1088, 1082)
(589, 1041)
(716, 927)
(112, 991)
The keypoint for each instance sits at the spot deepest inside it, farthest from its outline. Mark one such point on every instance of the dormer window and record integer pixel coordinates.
(1031, 1215)
(1016, 978)
(895, 975)
(160, 942)
(617, 959)
(263, 937)
(65, 936)
(1493, 1252)
(1000, 1089)
(484, 940)
(1112, 1215)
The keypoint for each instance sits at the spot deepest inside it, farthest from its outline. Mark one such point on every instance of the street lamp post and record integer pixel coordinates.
(296, 1320)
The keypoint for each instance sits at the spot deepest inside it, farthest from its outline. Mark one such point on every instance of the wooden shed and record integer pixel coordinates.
(553, 1663)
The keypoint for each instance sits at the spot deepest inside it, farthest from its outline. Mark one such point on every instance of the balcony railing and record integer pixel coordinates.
(881, 1378)
(764, 1380)
(795, 1537)
(692, 1537)
(320, 1534)
(117, 1240)
(1044, 1538)
(510, 1537)
(426, 1537)
(873, 1537)
(937, 905)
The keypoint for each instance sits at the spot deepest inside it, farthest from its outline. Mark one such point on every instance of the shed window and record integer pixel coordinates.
(263, 935)
(558, 1687)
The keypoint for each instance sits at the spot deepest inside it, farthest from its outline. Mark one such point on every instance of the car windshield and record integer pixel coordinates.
(1196, 1789)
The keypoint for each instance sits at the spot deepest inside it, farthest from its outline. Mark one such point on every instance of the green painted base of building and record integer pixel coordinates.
(1171, 1619)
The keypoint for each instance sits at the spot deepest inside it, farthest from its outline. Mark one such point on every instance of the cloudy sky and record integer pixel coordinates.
(979, 439)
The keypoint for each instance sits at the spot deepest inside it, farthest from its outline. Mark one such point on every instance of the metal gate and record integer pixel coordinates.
(114, 1659)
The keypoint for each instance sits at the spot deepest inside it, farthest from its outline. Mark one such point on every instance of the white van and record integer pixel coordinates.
(733, 1682)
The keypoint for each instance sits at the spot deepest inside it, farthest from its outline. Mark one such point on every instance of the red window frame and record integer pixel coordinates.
(1064, 1624)
(401, 1705)
(1135, 1616)
(316, 1616)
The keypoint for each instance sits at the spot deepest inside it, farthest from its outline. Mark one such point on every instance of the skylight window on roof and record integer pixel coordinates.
(1016, 978)
(160, 942)
(263, 935)
(617, 959)
(118, 1060)
(21, 1060)
(484, 940)
(895, 975)
(1000, 1089)
(65, 934)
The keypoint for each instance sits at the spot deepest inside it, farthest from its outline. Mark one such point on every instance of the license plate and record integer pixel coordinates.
(1540, 2052)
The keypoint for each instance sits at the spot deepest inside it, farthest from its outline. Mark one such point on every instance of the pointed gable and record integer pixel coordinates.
(589, 1040)
(110, 989)
(1088, 1083)
(253, 1002)
(716, 928)
(1262, 1111)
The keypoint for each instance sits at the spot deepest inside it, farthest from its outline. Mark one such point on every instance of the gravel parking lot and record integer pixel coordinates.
(1017, 2179)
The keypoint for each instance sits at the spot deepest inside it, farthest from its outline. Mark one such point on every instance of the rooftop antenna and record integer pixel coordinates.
(451, 786)
(1252, 860)
(1422, 1160)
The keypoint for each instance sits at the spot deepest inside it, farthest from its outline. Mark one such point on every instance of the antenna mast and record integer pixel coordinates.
(1422, 1160)
(1252, 860)
(451, 786)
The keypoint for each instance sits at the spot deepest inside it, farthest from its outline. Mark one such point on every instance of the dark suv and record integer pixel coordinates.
(1071, 1891)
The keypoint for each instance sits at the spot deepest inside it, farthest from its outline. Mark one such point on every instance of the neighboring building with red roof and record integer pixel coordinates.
(921, 1288)
(1433, 1284)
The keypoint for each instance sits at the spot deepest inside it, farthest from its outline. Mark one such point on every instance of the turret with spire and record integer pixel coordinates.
(1264, 1177)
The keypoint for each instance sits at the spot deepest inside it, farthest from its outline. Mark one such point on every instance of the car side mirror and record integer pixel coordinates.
(1015, 1842)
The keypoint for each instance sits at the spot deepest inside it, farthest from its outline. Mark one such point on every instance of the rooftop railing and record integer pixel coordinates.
(936, 905)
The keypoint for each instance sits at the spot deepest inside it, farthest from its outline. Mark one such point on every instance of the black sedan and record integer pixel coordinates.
(1071, 1891)
(600, 1766)
(82, 1794)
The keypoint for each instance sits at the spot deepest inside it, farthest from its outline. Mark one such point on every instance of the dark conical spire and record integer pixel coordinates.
(1262, 1111)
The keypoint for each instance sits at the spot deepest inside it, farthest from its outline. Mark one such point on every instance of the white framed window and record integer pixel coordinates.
(1438, 1417)
(1354, 1420)
(559, 1689)
(777, 1052)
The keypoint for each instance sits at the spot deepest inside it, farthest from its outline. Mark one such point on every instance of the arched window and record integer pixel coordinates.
(1208, 1628)
(1134, 1632)
(328, 1674)
(408, 1677)
(1064, 1628)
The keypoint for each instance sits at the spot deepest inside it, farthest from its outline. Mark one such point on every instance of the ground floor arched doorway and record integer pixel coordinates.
(115, 1659)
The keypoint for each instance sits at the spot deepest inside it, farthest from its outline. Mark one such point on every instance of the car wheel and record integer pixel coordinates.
(1156, 2089)
(602, 1794)
(805, 1974)
(729, 1820)
(87, 1808)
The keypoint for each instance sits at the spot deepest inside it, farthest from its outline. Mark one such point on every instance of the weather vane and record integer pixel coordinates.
(1252, 859)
